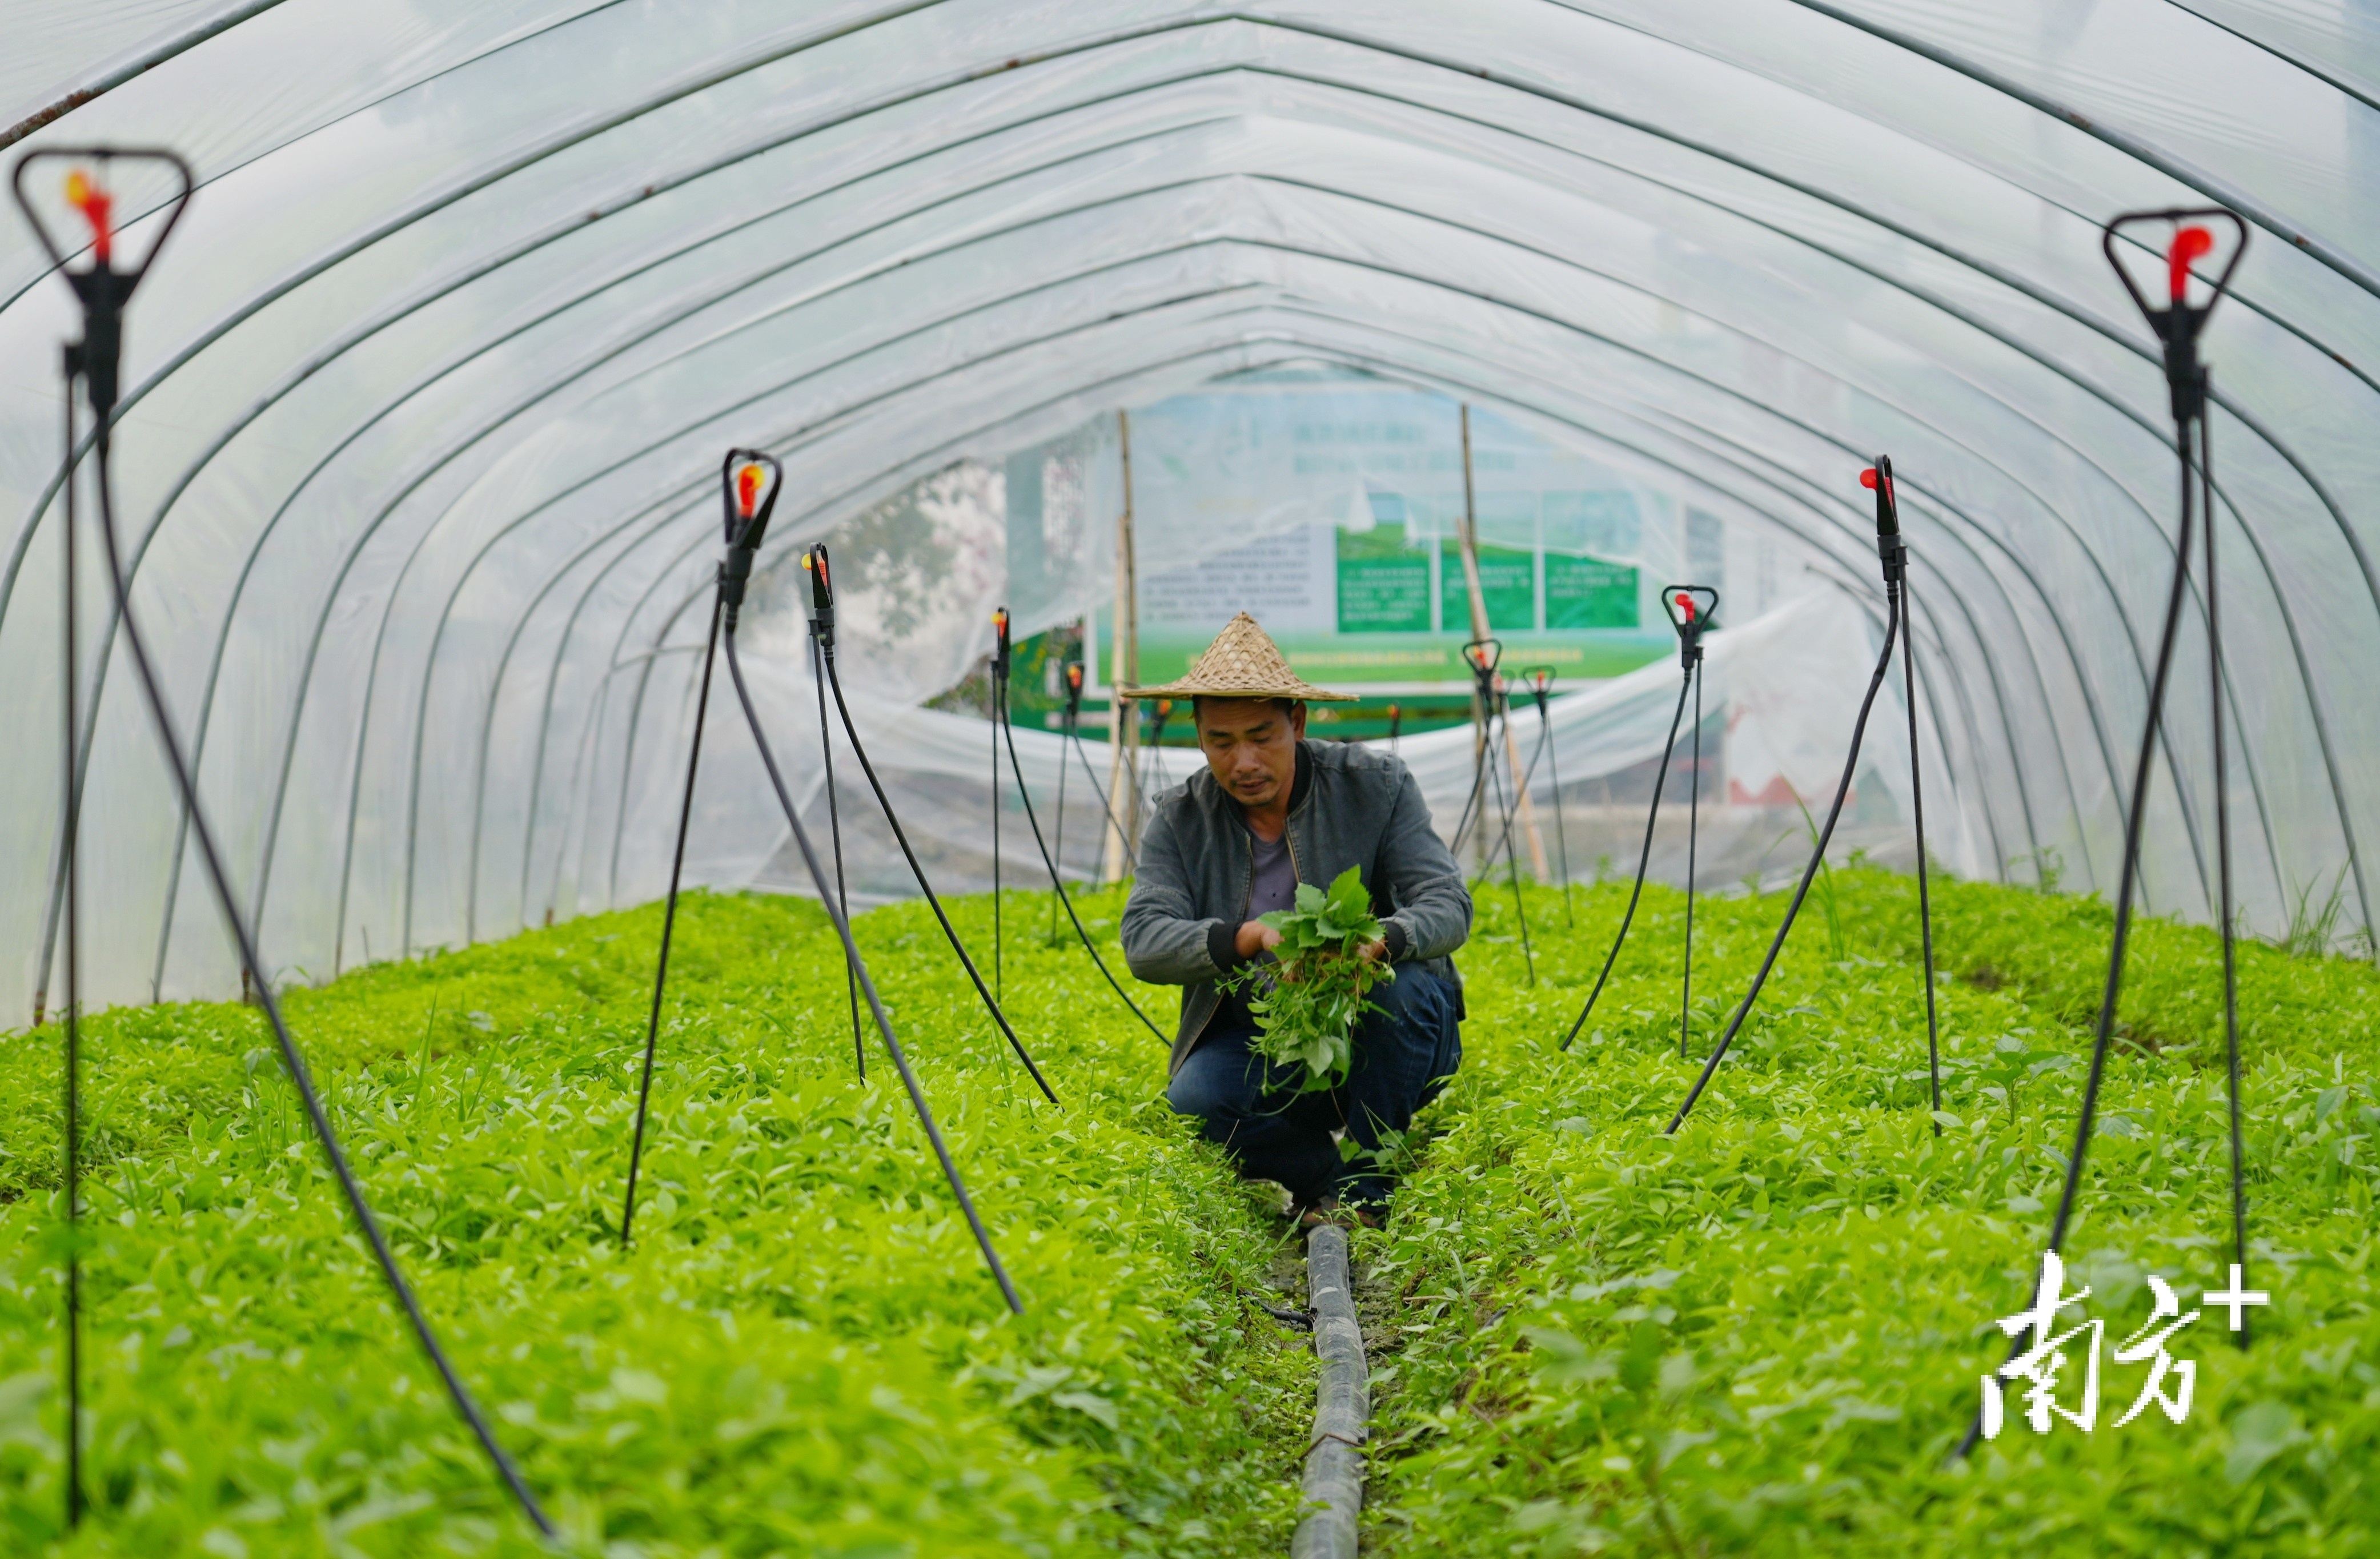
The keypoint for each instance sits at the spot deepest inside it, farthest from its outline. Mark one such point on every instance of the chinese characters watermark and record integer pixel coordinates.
(2042, 1365)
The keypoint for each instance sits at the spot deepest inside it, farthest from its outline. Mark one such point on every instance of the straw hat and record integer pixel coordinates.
(1242, 662)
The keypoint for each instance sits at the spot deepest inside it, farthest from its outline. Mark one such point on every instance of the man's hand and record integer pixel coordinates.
(1254, 938)
(1374, 952)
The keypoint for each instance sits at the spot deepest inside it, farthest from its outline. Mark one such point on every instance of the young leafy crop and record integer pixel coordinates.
(1306, 1008)
(801, 1355)
(1764, 1334)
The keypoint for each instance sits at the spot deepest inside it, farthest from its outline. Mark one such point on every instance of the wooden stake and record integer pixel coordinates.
(1468, 538)
(1123, 730)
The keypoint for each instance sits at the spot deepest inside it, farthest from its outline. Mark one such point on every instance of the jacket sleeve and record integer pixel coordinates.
(1421, 880)
(1166, 942)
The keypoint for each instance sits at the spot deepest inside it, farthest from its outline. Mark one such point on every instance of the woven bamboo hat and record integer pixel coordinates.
(1242, 662)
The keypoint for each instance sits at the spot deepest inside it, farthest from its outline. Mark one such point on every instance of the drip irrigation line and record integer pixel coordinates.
(669, 921)
(1925, 893)
(2177, 327)
(819, 654)
(1024, 793)
(1066, 730)
(1528, 775)
(1512, 859)
(1809, 872)
(2104, 1032)
(70, 1009)
(1131, 854)
(867, 985)
(1694, 830)
(1539, 686)
(999, 979)
(900, 836)
(2223, 863)
(103, 292)
(1645, 857)
(998, 700)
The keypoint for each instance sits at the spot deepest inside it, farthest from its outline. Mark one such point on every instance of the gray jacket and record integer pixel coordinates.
(1350, 806)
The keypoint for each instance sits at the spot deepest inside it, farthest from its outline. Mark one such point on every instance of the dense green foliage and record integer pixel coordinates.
(1764, 1335)
(1760, 1336)
(803, 1354)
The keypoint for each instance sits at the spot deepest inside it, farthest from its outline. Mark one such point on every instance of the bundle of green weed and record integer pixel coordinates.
(1765, 1334)
(802, 1355)
(1307, 1004)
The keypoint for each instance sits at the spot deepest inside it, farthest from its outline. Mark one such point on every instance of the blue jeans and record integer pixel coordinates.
(1403, 1056)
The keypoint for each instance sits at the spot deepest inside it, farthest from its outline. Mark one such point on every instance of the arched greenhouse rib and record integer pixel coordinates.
(447, 282)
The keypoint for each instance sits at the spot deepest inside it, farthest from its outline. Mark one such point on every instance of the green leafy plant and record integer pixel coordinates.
(1306, 1008)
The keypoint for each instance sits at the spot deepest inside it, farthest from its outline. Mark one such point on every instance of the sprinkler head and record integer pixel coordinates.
(1877, 478)
(1690, 608)
(748, 483)
(2180, 238)
(1481, 655)
(1074, 687)
(1000, 647)
(98, 183)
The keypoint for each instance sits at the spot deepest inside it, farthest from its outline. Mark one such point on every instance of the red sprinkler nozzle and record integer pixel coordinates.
(1868, 480)
(95, 205)
(2189, 244)
(1686, 605)
(748, 489)
(1075, 676)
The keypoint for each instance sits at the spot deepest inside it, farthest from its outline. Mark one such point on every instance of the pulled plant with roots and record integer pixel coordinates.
(1306, 1008)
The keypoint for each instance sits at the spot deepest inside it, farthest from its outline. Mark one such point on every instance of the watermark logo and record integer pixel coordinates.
(2042, 1367)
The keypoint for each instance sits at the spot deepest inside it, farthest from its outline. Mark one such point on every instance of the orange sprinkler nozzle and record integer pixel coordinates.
(95, 205)
(1075, 676)
(2189, 244)
(747, 489)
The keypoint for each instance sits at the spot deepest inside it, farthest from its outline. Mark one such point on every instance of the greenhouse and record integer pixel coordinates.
(1810, 557)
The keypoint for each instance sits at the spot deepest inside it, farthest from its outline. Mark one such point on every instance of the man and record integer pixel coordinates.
(1272, 810)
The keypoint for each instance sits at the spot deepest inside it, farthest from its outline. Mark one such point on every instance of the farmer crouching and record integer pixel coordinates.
(1273, 810)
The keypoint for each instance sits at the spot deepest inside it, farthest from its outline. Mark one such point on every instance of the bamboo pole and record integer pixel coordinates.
(1123, 730)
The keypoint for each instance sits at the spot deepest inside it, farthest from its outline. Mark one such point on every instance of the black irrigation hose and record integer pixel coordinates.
(867, 985)
(1131, 854)
(1925, 896)
(1809, 872)
(2223, 873)
(70, 1011)
(1512, 855)
(2104, 1033)
(291, 1060)
(669, 923)
(834, 830)
(1694, 830)
(2177, 328)
(1528, 775)
(835, 680)
(1059, 831)
(1001, 715)
(1562, 836)
(1661, 781)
